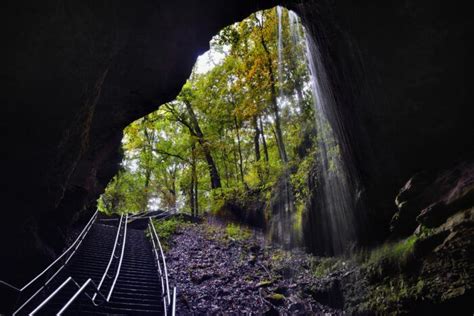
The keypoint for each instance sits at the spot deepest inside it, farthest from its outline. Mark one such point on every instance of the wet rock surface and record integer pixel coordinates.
(216, 274)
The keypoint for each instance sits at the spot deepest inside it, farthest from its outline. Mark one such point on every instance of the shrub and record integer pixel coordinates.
(167, 228)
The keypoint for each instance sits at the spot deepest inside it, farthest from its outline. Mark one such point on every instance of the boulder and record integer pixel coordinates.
(430, 199)
(330, 294)
(459, 198)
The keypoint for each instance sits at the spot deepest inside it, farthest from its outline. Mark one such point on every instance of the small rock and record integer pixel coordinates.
(198, 279)
(282, 290)
(264, 283)
(252, 259)
(272, 312)
(296, 307)
(255, 248)
(276, 298)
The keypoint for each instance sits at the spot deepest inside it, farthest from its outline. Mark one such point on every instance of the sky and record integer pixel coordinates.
(209, 60)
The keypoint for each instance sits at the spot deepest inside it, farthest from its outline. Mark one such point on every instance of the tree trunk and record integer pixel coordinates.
(241, 167)
(191, 198)
(256, 138)
(196, 195)
(193, 187)
(264, 141)
(225, 162)
(214, 174)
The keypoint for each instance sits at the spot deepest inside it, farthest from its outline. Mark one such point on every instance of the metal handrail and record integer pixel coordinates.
(120, 261)
(40, 306)
(90, 281)
(73, 298)
(68, 280)
(164, 262)
(81, 289)
(167, 301)
(10, 286)
(112, 256)
(157, 258)
(75, 244)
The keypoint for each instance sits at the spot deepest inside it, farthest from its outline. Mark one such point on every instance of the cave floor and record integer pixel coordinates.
(215, 273)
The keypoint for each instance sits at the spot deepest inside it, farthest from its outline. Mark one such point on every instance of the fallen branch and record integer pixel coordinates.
(263, 300)
(266, 270)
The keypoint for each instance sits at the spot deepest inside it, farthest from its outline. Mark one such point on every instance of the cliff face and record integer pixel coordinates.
(401, 76)
(76, 73)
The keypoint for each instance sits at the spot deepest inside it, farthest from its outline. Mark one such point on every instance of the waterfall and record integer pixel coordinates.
(280, 47)
(294, 27)
(282, 200)
(335, 203)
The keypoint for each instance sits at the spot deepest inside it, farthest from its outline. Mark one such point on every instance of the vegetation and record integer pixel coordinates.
(237, 232)
(166, 228)
(243, 124)
(325, 266)
(393, 295)
(398, 252)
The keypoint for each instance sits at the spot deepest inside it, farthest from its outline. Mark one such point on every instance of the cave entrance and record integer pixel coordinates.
(247, 138)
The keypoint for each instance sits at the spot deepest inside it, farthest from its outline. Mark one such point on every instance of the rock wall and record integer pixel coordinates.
(438, 275)
(401, 75)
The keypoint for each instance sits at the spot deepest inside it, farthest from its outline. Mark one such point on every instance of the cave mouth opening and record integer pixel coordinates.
(248, 138)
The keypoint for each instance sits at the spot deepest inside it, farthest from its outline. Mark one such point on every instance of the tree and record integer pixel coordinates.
(244, 126)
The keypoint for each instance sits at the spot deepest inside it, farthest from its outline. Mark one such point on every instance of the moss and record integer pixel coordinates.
(420, 286)
(278, 256)
(237, 232)
(425, 232)
(326, 266)
(210, 231)
(394, 294)
(298, 217)
(396, 255)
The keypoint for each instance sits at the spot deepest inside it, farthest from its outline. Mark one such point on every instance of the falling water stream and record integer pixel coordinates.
(280, 47)
(335, 209)
(283, 200)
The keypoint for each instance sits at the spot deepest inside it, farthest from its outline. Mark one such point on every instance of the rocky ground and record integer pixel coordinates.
(216, 273)
(425, 268)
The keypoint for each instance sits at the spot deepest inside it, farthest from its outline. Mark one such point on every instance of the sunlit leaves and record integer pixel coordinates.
(232, 104)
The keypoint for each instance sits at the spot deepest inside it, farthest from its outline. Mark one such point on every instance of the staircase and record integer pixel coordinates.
(137, 291)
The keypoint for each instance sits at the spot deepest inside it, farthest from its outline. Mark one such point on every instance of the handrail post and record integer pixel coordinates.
(173, 306)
